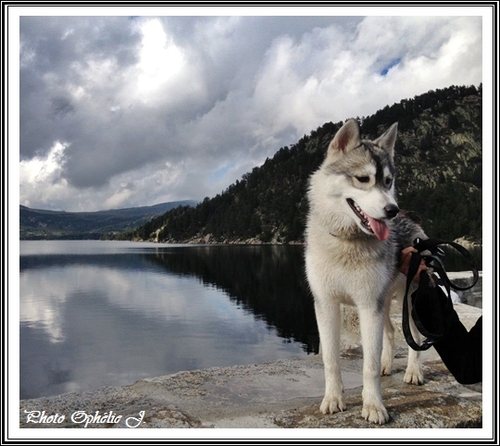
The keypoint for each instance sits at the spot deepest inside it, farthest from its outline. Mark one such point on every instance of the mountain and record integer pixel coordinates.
(44, 224)
(439, 176)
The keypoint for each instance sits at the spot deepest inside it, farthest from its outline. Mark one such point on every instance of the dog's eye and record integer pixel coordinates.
(388, 181)
(364, 179)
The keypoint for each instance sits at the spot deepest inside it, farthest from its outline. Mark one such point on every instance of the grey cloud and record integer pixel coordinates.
(61, 106)
(55, 42)
(248, 86)
(231, 50)
(54, 48)
(226, 52)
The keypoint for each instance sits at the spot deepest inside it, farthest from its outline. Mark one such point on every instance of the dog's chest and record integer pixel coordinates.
(352, 255)
(348, 267)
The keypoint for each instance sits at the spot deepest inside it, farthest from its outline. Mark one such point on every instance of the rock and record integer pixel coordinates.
(474, 296)
(279, 394)
(466, 243)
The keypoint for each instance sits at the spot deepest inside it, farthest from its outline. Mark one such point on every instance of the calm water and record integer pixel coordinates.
(97, 313)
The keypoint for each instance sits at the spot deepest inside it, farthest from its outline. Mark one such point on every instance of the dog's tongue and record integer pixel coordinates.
(379, 228)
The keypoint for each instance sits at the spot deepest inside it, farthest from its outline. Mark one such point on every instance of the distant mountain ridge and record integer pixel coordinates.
(439, 175)
(39, 224)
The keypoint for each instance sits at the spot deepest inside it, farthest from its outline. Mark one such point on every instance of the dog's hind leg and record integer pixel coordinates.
(371, 322)
(414, 374)
(328, 317)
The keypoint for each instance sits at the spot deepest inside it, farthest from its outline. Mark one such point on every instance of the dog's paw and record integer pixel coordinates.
(414, 375)
(331, 404)
(386, 369)
(375, 413)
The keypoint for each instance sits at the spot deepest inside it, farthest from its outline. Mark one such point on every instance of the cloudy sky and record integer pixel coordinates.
(123, 111)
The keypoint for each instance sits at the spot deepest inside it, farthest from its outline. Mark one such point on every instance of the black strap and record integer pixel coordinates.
(438, 304)
(433, 245)
(412, 271)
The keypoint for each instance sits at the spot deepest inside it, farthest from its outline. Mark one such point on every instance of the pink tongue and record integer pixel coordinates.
(379, 228)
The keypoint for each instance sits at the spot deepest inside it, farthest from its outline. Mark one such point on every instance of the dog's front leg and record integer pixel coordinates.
(328, 317)
(388, 340)
(371, 323)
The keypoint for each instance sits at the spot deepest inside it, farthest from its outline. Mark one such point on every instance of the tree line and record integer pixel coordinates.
(439, 175)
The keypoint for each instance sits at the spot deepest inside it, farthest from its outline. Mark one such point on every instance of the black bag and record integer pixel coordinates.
(432, 308)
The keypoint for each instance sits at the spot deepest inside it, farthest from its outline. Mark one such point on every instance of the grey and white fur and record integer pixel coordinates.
(354, 236)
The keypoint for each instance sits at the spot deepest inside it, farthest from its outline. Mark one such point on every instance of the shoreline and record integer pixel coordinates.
(207, 240)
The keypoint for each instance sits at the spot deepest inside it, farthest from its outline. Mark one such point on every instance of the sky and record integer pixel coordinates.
(133, 110)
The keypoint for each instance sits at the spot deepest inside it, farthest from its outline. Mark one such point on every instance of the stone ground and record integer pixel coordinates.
(281, 394)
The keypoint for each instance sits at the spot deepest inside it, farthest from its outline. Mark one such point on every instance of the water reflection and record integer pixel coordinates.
(266, 280)
(89, 320)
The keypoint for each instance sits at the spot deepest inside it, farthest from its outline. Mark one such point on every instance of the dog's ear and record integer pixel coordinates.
(346, 139)
(388, 139)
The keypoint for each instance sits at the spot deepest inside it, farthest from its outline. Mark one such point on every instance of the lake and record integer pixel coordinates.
(97, 313)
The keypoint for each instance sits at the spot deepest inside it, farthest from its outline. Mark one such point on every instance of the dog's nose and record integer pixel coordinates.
(391, 210)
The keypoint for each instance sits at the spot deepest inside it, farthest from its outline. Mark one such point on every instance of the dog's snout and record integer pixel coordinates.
(391, 210)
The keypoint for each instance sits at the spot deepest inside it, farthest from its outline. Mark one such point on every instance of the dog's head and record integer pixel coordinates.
(365, 170)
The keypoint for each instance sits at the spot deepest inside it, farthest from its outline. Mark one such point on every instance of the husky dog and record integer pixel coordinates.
(353, 239)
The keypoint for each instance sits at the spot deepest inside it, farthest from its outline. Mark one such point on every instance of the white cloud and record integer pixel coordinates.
(43, 168)
(40, 179)
(42, 187)
(146, 185)
(342, 70)
(165, 77)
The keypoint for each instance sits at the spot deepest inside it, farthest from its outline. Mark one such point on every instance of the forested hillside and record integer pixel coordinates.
(39, 224)
(439, 164)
